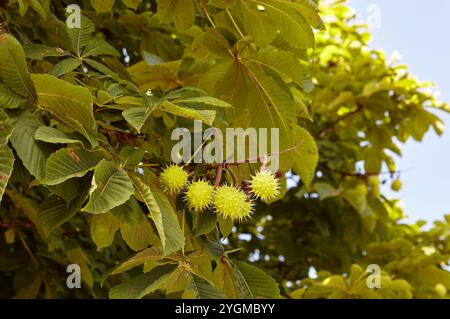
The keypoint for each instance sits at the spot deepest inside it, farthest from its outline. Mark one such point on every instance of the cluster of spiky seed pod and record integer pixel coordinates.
(229, 202)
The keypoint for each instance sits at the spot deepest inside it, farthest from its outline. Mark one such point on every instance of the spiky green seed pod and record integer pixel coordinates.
(265, 186)
(173, 179)
(247, 208)
(231, 203)
(199, 195)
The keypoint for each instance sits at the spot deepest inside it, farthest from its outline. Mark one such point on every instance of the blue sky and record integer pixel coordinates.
(418, 30)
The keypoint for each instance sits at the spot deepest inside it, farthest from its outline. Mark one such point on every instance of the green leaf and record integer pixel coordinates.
(80, 37)
(204, 223)
(137, 230)
(309, 10)
(178, 281)
(206, 116)
(373, 87)
(6, 167)
(97, 47)
(54, 212)
(69, 189)
(215, 249)
(434, 275)
(67, 163)
(200, 288)
(258, 23)
(163, 76)
(33, 153)
(111, 188)
(357, 197)
(38, 52)
(255, 283)
(290, 23)
(5, 128)
(270, 104)
(260, 99)
(13, 67)
(138, 236)
(102, 5)
(305, 155)
(137, 116)
(162, 214)
(64, 67)
(300, 106)
(103, 228)
(225, 226)
(224, 278)
(207, 100)
(52, 135)
(181, 12)
(326, 190)
(104, 97)
(71, 105)
(286, 64)
(39, 8)
(8, 99)
(132, 4)
(211, 42)
(396, 289)
(152, 59)
(143, 285)
(23, 7)
(129, 212)
(130, 157)
(102, 68)
(146, 255)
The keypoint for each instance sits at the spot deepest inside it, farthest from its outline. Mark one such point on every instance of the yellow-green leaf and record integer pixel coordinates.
(13, 67)
(103, 228)
(102, 5)
(70, 104)
(111, 187)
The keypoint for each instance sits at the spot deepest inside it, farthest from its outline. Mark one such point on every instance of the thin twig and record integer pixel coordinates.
(332, 126)
(366, 174)
(219, 171)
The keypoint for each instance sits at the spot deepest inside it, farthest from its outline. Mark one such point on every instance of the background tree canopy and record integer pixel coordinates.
(86, 119)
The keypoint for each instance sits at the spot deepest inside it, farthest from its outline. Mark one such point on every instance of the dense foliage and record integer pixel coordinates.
(86, 119)
(362, 108)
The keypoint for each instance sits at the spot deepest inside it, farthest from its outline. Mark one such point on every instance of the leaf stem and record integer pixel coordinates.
(234, 23)
(233, 176)
(202, 5)
(219, 171)
(27, 248)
